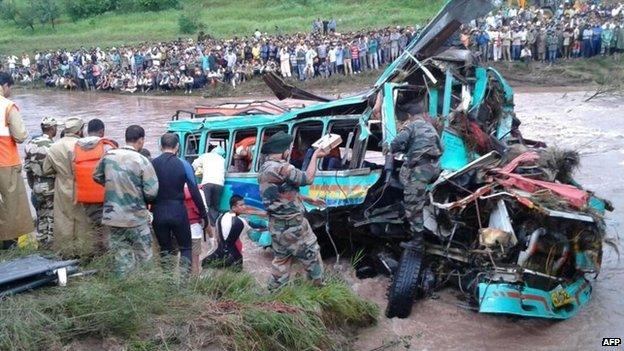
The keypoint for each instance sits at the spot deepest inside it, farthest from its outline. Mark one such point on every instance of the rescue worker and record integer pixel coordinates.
(130, 183)
(212, 180)
(170, 216)
(230, 226)
(15, 217)
(87, 154)
(418, 140)
(290, 231)
(42, 186)
(72, 232)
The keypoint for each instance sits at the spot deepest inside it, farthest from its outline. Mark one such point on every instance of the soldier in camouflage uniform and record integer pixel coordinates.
(418, 140)
(130, 183)
(42, 186)
(291, 233)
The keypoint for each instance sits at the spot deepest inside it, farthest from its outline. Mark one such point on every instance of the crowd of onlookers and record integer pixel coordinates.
(574, 30)
(193, 64)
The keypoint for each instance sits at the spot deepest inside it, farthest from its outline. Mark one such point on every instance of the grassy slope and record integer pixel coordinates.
(155, 310)
(223, 18)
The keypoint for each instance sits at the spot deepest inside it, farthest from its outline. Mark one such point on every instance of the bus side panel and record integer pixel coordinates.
(336, 190)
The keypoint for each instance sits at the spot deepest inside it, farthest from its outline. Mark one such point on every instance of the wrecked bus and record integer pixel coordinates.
(507, 224)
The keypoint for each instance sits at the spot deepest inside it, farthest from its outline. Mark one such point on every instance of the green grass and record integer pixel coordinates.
(153, 309)
(222, 18)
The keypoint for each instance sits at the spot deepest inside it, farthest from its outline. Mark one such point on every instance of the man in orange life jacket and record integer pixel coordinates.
(72, 232)
(87, 154)
(15, 216)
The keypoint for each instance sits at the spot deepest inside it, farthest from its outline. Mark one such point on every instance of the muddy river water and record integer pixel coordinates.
(595, 128)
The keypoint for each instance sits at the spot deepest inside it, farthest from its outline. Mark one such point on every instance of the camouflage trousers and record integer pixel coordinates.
(293, 239)
(415, 180)
(98, 230)
(44, 206)
(130, 247)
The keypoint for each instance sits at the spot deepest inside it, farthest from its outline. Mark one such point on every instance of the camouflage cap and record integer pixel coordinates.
(73, 124)
(49, 122)
(277, 143)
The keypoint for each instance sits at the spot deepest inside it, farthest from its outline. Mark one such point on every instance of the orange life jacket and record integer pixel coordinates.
(9, 156)
(85, 161)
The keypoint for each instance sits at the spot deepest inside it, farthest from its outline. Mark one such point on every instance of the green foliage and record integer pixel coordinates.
(188, 24)
(226, 283)
(8, 10)
(189, 21)
(78, 9)
(23, 14)
(146, 5)
(337, 304)
(224, 18)
(48, 11)
(154, 308)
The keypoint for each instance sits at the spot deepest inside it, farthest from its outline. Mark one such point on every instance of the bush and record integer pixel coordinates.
(23, 14)
(48, 11)
(78, 9)
(146, 5)
(188, 24)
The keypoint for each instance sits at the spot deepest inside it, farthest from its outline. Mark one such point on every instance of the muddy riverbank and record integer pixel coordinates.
(559, 117)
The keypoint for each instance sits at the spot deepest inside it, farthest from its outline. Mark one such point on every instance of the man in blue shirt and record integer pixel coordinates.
(205, 62)
(596, 39)
(170, 216)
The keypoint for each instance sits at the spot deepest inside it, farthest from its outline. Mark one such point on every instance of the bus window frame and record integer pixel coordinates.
(295, 129)
(356, 134)
(262, 129)
(230, 155)
(184, 146)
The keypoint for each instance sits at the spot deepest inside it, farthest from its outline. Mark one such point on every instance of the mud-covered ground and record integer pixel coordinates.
(559, 116)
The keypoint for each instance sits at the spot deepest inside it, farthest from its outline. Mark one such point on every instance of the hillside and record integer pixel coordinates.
(222, 18)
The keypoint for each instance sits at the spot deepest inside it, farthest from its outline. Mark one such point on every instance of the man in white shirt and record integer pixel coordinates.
(331, 56)
(12, 61)
(26, 61)
(497, 43)
(156, 57)
(230, 58)
(212, 168)
(310, 56)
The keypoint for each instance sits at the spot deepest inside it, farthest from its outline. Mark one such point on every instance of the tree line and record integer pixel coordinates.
(31, 13)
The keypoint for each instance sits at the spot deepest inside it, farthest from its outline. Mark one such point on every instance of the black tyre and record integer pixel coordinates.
(404, 288)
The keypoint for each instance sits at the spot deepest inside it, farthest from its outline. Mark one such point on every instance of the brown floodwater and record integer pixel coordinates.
(595, 128)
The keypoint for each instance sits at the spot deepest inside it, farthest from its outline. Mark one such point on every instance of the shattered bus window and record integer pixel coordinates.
(243, 151)
(191, 152)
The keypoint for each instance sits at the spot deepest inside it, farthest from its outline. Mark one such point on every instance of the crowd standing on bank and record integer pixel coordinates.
(187, 65)
(509, 34)
(573, 31)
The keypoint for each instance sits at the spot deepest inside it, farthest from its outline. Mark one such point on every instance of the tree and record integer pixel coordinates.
(25, 14)
(8, 10)
(48, 11)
